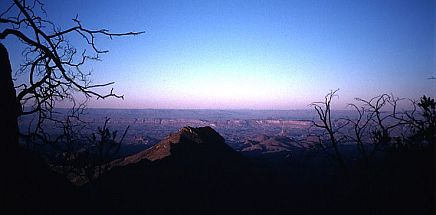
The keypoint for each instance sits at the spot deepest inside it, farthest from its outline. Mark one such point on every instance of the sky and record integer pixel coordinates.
(255, 54)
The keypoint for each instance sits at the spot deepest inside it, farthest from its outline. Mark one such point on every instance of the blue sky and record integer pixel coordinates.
(257, 54)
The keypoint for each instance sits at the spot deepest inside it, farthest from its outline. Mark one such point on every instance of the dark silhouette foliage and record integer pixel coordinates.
(378, 126)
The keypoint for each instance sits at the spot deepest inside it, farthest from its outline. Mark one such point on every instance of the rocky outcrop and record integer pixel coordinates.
(9, 107)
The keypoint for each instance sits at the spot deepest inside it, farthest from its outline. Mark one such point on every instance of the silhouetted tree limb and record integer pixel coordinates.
(422, 121)
(360, 127)
(53, 66)
(323, 109)
(382, 113)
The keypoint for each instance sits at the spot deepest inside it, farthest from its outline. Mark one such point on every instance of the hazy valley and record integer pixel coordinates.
(261, 131)
(318, 107)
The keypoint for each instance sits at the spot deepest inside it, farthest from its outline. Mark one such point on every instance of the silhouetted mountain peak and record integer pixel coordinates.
(201, 135)
(188, 142)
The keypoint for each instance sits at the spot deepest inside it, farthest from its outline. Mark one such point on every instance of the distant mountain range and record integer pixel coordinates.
(257, 144)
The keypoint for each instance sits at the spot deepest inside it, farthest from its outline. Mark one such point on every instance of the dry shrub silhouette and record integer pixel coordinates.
(377, 127)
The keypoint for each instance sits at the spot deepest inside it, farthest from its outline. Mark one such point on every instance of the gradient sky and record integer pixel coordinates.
(257, 54)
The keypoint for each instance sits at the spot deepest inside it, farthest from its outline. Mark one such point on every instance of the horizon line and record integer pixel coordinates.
(206, 109)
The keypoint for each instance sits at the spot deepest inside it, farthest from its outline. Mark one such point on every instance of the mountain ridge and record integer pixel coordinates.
(187, 140)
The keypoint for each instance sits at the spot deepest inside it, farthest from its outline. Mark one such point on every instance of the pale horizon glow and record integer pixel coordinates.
(256, 54)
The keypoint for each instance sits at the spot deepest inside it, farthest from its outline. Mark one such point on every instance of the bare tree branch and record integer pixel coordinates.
(51, 63)
(323, 110)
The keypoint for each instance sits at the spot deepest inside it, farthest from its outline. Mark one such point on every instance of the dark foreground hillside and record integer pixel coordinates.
(193, 171)
(29, 186)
